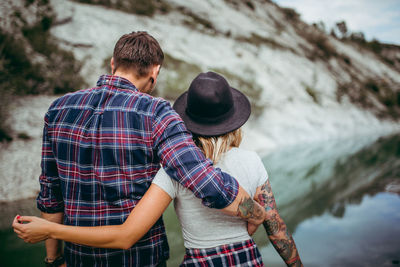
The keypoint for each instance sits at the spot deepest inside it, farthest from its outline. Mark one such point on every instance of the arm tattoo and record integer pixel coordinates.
(284, 247)
(248, 209)
(266, 197)
(276, 228)
(282, 240)
(272, 225)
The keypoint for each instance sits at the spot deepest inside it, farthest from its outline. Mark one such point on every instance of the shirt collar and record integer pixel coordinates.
(116, 81)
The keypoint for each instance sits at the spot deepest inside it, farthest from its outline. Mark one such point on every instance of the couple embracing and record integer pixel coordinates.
(114, 157)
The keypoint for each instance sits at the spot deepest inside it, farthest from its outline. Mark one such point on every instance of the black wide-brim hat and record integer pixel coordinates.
(211, 107)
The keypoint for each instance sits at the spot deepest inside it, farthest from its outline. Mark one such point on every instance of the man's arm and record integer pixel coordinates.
(185, 163)
(276, 228)
(49, 200)
(53, 246)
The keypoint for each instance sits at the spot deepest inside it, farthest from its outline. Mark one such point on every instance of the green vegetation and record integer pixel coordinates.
(4, 131)
(237, 3)
(312, 93)
(322, 47)
(258, 40)
(290, 14)
(374, 45)
(385, 95)
(139, 7)
(374, 94)
(313, 170)
(250, 4)
(31, 62)
(386, 52)
(194, 20)
(341, 91)
(175, 77)
(344, 34)
(381, 95)
(23, 136)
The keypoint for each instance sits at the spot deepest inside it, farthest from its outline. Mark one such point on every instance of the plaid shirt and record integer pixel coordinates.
(101, 150)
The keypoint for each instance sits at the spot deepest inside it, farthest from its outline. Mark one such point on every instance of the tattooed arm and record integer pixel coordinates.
(246, 208)
(276, 228)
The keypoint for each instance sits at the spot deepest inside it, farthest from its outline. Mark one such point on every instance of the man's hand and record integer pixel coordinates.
(31, 228)
(252, 228)
(54, 247)
(251, 211)
(246, 208)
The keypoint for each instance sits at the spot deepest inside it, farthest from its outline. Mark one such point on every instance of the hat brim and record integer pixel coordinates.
(239, 116)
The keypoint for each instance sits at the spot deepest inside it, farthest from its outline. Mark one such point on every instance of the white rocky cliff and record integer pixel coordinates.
(305, 86)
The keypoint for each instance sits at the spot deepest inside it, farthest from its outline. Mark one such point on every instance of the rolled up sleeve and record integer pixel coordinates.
(50, 198)
(184, 161)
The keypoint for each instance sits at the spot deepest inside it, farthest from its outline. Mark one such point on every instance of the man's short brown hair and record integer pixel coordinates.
(138, 51)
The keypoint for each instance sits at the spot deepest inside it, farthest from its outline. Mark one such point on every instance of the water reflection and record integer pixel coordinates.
(339, 182)
(340, 199)
(366, 235)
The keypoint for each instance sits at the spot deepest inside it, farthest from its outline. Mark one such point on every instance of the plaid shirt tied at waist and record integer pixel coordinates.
(101, 150)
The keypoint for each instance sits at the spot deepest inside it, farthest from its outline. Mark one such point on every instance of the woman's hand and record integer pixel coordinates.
(31, 229)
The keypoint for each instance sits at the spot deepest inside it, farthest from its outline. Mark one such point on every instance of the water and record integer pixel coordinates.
(341, 201)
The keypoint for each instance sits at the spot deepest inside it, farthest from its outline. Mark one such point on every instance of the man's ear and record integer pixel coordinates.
(112, 65)
(154, 74)
(155, 71)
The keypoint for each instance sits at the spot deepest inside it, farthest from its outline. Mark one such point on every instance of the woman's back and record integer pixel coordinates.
(203, 227)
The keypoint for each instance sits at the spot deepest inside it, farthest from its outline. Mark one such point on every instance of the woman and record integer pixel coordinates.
(214, 112)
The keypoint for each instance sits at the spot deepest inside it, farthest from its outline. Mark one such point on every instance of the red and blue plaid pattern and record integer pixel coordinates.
(101, 150)
(241, 254)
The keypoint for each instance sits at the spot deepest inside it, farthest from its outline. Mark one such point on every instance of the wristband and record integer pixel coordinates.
(57, 262)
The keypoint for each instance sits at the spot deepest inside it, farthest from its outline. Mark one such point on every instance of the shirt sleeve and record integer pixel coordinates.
(50, 198)
(184, 162)
(165, 183)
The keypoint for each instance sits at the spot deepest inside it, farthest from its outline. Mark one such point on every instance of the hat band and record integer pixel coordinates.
(215, 119)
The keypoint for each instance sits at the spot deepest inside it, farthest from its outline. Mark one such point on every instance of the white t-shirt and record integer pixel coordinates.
(204, 227)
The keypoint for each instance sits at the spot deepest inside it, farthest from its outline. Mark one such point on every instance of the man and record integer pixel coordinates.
(103, 146)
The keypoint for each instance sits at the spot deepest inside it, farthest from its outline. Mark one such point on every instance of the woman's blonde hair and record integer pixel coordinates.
(213, 147)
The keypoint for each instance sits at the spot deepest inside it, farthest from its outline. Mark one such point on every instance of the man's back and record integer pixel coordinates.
(99, 144)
